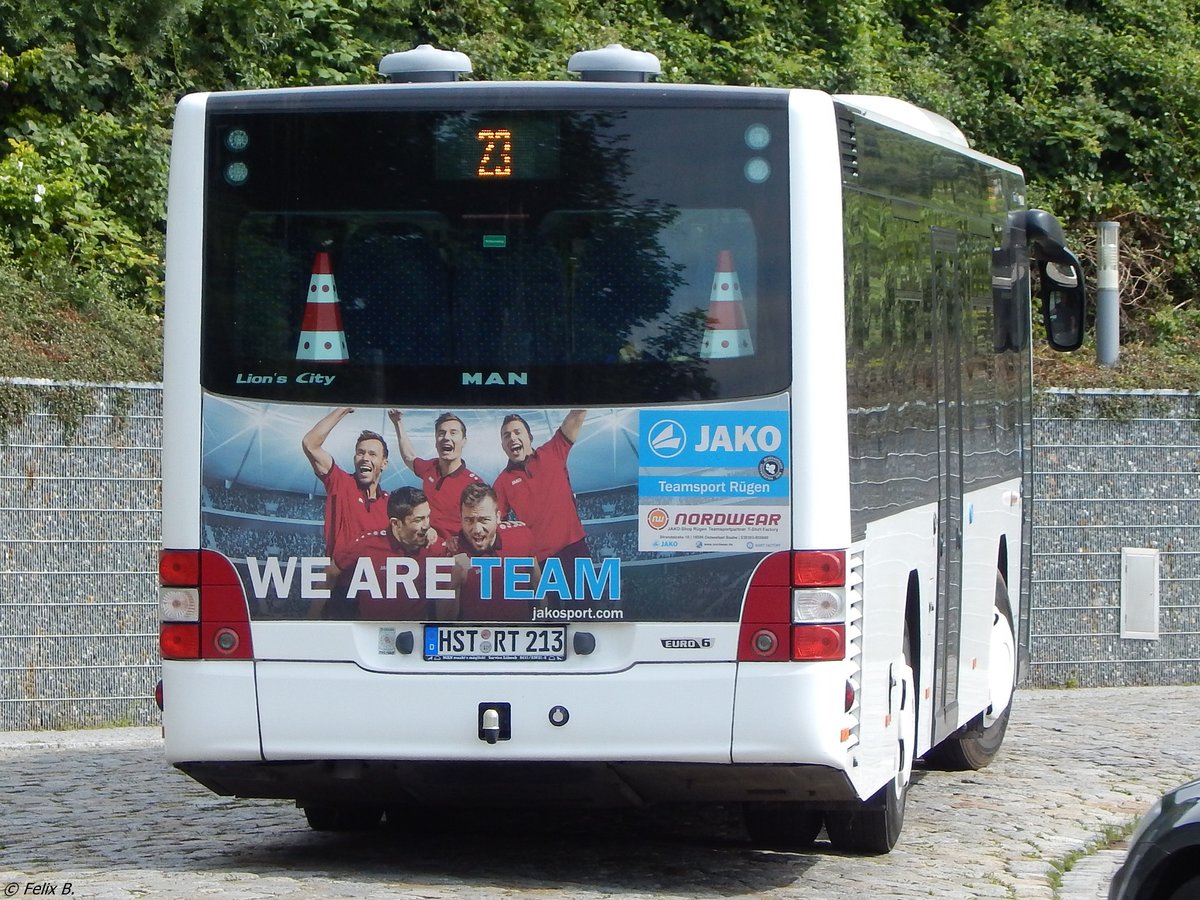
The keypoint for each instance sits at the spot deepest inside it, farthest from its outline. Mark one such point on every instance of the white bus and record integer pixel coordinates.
(594, 442)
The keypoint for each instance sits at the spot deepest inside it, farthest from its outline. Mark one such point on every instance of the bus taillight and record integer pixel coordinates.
(795, 608)
(819, 642)
(179, 568)
(202, 606)
(179, 640)
(818, 568)
(818, 605)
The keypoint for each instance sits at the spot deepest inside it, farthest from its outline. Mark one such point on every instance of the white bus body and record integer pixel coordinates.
(803, 484)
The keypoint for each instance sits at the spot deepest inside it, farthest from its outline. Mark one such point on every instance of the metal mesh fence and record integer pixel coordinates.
(79, 536)
(1114, 470)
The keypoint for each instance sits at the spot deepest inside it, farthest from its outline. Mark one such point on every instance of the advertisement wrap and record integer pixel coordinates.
(494, 516)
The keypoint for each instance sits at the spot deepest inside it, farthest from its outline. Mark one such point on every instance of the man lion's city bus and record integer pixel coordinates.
(594, 442)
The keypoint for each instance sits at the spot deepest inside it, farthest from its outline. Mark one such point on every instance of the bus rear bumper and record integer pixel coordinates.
(382, 783)
(210, 710)
(334, 733)
(337, 710)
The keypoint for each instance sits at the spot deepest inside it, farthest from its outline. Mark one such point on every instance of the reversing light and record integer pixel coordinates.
(177, 604)
(821, 605)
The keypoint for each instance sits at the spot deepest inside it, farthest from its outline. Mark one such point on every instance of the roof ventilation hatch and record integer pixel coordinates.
(424, 63)
(615, 63)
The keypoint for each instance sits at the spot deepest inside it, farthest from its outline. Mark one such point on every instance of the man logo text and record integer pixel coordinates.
(491, 378)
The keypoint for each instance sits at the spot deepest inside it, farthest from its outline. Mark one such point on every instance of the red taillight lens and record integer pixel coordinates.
(819, 568)
(179, 568)
(818, 642)
(179, 640)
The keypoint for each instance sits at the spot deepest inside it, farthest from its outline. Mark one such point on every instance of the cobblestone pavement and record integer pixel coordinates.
(98, 814)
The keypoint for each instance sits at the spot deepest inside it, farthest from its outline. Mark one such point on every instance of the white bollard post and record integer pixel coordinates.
(1108, 298)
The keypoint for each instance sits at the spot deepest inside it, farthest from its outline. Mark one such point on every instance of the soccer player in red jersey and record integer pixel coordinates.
(536, 486)
(484, 535)
(444, 477)
(354, 503)
(399, 587)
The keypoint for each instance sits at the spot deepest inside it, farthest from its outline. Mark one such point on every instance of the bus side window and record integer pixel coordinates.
(393, 287)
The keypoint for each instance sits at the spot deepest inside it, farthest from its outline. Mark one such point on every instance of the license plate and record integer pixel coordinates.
(495, 642)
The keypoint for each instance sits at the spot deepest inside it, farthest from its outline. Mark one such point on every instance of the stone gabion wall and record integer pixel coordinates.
(1114, 470)
(80, 529)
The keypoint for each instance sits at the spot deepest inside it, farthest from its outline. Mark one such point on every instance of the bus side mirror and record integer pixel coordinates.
(1064, 296)
(1064, 302)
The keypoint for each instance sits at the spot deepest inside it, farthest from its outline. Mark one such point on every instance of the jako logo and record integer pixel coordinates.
(742, 439)
(666, 439)
(486, 378)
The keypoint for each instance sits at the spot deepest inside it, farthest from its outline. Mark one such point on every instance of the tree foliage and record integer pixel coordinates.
(1098, 100)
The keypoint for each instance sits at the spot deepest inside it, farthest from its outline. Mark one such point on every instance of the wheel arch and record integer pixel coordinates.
(1002, 559)
(912, 622)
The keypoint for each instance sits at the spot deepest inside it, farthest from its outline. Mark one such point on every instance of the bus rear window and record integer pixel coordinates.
(608, 257)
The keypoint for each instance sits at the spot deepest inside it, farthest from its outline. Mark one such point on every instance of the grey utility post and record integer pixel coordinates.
(1108, 299)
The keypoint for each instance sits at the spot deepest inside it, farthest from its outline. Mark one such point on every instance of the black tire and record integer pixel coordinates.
(977, 744)
(342, 818)
(782, 826)
(874, 826)
(1189, 890)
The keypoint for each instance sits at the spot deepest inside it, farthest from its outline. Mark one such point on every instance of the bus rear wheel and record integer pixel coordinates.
(974, 746)
(874, 825)
(781, 826)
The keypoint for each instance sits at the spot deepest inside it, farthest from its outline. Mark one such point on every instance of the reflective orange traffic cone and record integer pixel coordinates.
(726, 333)
(321, 334)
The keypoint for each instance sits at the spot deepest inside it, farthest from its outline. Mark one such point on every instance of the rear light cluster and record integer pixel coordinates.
(795, 608)
(202, 607)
